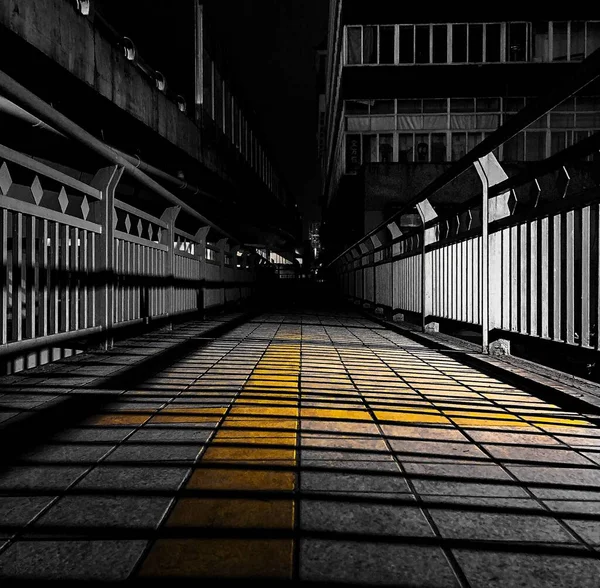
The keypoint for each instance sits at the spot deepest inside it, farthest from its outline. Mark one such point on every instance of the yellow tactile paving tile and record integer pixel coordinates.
(189, 415)
(228, 558)
(260, 431)
(410, 417)
(240, 479)
(329, 414)
(233, 513)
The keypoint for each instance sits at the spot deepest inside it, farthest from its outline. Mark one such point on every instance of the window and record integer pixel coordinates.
(383, 107)
(422, 44)
(559, 41)
(435, 105)
(492, 42)
(422, 144)
(541, 42)
(475, 43)
(370, 44)
(406, 44)
(386, 148)
(459, 43)
(440, 44)
(409, 106)
(593, 37)
(577, 40)
(357, 107)
(354, 45)
(516, 42)
(462, 105)
(438, 147)
(369, 148)
(386, 49)
(459, 146)
(405, 147)
(535, 145)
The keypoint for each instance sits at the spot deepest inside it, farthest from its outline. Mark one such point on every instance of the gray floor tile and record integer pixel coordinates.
(499, 526)
(130, 478)
(374, 563)
(76, 513)
(338, 516)
(486, 569)
(70, 560)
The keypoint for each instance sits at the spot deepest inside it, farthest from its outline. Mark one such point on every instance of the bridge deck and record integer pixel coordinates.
(317, 447)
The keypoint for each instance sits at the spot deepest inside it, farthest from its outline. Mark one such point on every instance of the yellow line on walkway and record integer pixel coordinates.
(259, 430)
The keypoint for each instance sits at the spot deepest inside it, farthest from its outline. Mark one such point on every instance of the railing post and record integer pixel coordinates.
(106, 180)
(222, 244)
(427, 214)
(491, 173)
(169, 216)
(200, 236)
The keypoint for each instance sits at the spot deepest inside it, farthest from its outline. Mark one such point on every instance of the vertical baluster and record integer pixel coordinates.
(31, 278)
(64, 269)
(55, 272)
(18, 277)
(569, 237)
(128, 294)
(533, 278)
(557, 281)
(92, 270)
(44, 279)
(514, 279)
(84, 273)
(523, 279)
(585, 276)
(545, 278)
(4, 230)
(506, 272)
(74, 279)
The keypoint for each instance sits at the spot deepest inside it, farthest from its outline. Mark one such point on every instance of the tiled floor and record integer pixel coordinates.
(311, 447)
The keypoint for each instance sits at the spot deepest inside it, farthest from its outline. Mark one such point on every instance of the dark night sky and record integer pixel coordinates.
(272, 54)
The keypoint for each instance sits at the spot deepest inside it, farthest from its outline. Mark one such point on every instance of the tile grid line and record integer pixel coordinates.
(455, 567)
(545, 508)
(553, 514)
(61, 494)
(195, 464)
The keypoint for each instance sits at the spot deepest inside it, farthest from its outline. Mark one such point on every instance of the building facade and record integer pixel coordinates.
(408, 96)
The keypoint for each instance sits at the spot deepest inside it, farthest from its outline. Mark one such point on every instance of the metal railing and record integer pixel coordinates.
(502, 262)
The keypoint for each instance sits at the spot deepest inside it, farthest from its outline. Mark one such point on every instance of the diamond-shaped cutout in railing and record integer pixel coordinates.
(512, 201)
(562, 182)
(159, 234)
(85, 208)
(535, 191)
(127, 224)
(469, 220)
(457, 224)
(140, 228)
(36, 190)
(63, 200)
(5, 179)
(150, 232)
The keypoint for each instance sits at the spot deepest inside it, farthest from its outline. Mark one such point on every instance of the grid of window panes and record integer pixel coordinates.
(223, 108)
(445, 129)
(405, 44)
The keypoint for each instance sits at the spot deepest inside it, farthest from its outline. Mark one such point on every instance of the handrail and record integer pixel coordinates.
(20, 159)
(586, 73)
(26, 99)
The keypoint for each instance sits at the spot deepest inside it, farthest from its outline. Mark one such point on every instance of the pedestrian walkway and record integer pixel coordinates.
(311, 447)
